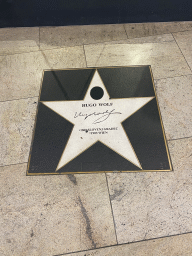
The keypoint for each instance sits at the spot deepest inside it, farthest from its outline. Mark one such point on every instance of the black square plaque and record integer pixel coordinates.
(98, 120)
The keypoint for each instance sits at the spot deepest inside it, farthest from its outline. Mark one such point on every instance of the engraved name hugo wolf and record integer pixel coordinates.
(102, 115)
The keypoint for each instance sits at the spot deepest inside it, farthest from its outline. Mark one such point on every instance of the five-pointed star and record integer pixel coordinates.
(97, 120)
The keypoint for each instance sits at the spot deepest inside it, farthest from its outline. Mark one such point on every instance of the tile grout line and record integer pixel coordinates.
(158, 34)
(118, 42)
(125, 31)
(111, 209)
(99, 56)
(12, 164)
(180, 138)
(157, 79)
(39, 50)
(85, 55)
(20, 99)
(128, 243)
(18, 53)
(181, 52)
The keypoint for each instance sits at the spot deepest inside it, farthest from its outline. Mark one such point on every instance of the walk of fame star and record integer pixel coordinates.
(103, 119)
(106, 113)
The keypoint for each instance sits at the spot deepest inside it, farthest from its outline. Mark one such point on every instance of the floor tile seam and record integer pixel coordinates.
(138, 37)
(7, 165)
(101, 43)
(127, 43)
(182, 52)
(83, 44)
(166, 33)
(1, 101)
(111, 209)
(181, 31)
(157, 79)
(128, 243)
(85, 55)
(131, 65)
(125, 31)
(134, 39)
(97, 43)
(179, 138)
(39, 50)
(17, 53)
(59, 47)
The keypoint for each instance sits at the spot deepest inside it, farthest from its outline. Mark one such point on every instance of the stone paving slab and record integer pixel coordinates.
(53, 37)
(152, 205)
(47, 215)
(16, 125)
(18, 40)
(21, 74)
(166, 59)
(175, 97)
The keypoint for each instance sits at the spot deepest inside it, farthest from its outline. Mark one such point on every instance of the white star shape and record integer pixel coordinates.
(97, 120)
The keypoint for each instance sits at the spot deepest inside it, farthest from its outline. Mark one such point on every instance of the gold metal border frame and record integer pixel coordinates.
(91, 172)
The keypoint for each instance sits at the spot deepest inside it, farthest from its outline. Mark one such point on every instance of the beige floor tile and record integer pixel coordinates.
(175, 97)
(143, 40)
(152, 205)
(51, 37)
(16, 124)
(168, 246)
(149, 29)
(18, 40)
(49, 215)
(184, 40)
(165, 58)
(21, 74)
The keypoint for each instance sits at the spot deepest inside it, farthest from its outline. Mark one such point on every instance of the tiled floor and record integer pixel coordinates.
(55, 215)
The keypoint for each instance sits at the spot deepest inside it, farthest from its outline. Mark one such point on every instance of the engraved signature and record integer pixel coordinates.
(104, 115)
